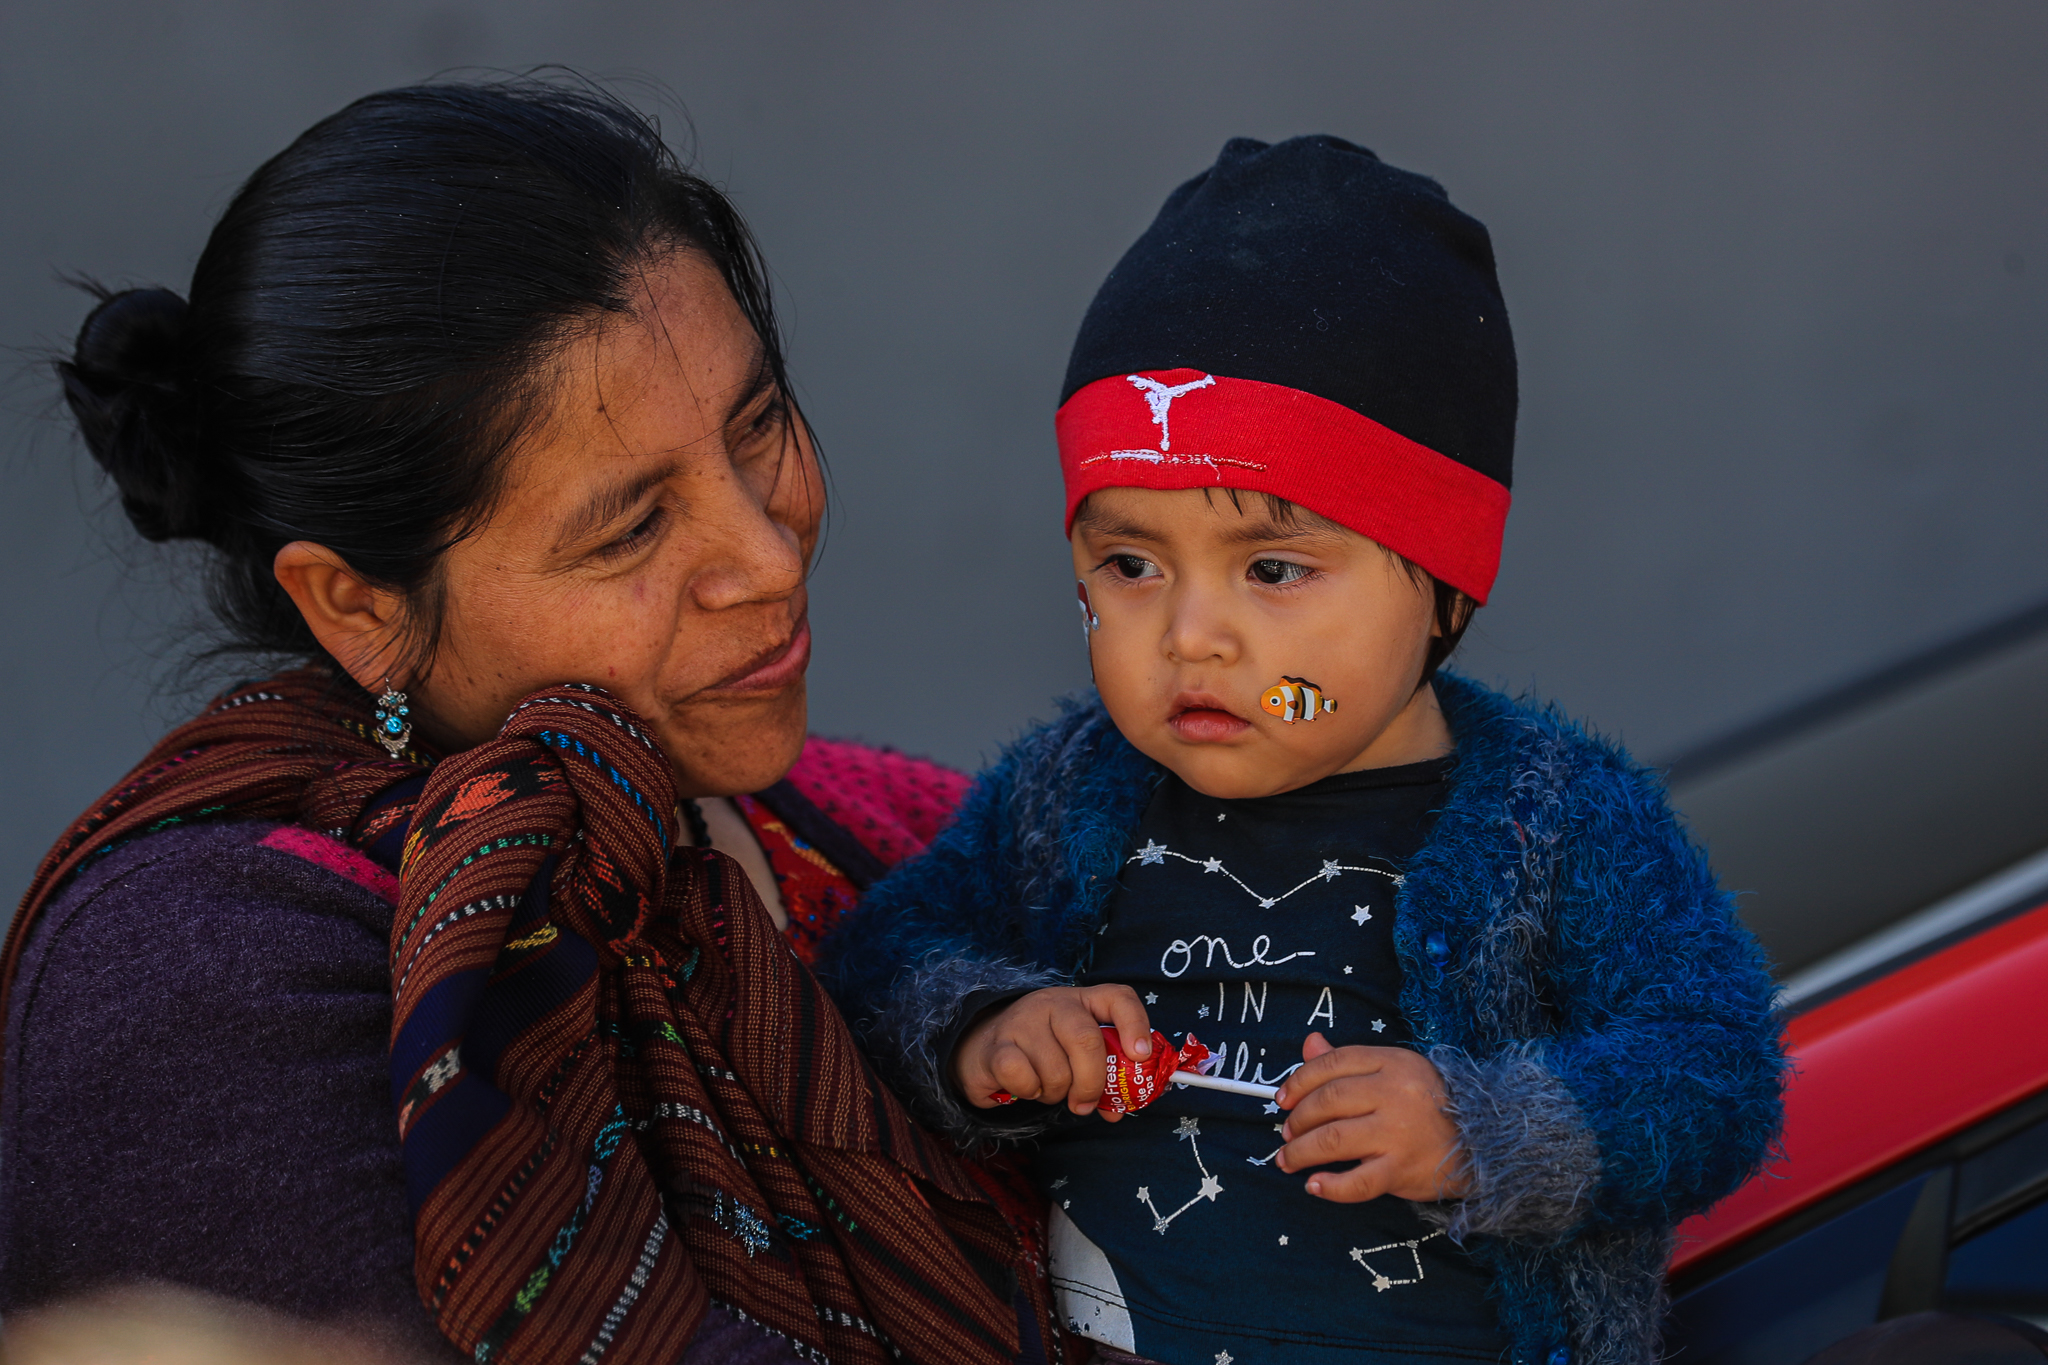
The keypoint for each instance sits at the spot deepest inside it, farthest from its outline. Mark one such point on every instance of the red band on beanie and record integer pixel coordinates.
(1187, 429)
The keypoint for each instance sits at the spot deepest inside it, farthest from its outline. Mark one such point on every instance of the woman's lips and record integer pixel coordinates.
(1203, 720)
(775, 670)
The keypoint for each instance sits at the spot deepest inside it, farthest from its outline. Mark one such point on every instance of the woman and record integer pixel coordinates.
(479, 402)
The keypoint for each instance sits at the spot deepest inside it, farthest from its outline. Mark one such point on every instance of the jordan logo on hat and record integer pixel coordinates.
(1159, 397)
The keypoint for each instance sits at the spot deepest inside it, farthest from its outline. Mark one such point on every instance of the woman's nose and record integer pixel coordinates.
(751, 557)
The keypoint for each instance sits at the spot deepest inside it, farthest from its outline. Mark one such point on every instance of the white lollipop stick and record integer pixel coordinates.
(1197, 1079)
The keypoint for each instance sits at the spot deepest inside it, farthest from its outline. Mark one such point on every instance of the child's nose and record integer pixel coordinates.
(1198, 633)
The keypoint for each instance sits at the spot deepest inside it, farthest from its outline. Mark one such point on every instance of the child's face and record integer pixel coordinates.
(1206, 605)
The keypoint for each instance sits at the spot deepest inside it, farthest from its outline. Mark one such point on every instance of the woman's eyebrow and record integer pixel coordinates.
(607, 505)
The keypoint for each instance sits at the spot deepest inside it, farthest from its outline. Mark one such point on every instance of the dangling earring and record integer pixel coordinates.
(393, 729)
(1090, 622)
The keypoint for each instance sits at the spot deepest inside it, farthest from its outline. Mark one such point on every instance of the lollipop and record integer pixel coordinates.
(1133, 1082)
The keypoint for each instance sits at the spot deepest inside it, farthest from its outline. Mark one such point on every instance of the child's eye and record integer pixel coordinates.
(1133, 566)
(1275, 572)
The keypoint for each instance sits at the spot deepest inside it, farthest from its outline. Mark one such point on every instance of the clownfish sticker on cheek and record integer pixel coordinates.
(1294, 699)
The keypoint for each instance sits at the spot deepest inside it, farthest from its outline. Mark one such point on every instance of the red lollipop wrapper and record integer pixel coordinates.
(1131, 1082)
(1134, 1083)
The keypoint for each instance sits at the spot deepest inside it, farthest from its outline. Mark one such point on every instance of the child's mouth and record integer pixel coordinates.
(1202, 719)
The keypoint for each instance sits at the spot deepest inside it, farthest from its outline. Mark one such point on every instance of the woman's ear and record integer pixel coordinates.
(357, 624)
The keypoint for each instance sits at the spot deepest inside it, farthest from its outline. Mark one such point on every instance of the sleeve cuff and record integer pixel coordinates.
(913, 1037)
(1530, 1157)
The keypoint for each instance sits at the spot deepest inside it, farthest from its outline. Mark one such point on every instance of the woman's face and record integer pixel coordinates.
(652, 537)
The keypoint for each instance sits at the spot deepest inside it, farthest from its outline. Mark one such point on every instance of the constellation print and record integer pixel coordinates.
(1211, 1187)
(1156, 852)
(1381, 1281)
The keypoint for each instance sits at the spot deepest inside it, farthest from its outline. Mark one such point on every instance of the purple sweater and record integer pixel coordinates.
(195, 1089)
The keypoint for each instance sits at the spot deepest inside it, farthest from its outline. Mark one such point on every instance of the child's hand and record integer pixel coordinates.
(1048, 1046)
(1382, 1107)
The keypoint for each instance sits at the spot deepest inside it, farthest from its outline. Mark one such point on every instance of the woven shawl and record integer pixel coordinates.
(620, 1096)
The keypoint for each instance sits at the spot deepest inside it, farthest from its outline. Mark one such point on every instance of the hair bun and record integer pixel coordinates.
(125, 383)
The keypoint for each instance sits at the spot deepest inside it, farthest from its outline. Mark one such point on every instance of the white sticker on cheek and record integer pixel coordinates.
(1090, 622)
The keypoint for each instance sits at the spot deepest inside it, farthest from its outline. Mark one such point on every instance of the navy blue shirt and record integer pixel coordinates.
(1252, 924)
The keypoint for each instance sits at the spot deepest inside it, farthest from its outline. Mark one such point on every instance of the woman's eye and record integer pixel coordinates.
(771, 419)
(634, 538)
(1274, 572)
(1133, 566)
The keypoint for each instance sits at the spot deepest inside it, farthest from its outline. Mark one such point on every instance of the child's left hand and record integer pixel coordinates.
(1382, 1107)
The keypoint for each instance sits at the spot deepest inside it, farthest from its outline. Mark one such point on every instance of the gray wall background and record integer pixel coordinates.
(1778, 273)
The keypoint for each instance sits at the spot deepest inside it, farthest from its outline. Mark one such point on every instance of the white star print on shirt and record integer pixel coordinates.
(1152, 997)
(1155, 853)
(1212, 1187)
(1379, 1026)
(1359, 914)
(1202, 1013)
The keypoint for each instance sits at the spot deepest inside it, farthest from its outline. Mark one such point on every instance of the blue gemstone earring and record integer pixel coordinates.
(393, 729)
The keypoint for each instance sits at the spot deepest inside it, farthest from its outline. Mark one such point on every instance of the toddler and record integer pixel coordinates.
(1518, 1032)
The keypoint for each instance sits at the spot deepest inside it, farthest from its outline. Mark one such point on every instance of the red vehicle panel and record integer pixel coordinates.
(1892, 1068)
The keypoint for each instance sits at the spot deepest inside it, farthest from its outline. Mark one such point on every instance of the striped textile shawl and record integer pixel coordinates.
(620, 1095)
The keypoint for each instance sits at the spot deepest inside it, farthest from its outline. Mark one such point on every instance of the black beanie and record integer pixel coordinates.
(1281, 295)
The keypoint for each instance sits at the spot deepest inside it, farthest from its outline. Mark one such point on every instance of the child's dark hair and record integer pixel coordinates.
(369, 329)
(1453, 613)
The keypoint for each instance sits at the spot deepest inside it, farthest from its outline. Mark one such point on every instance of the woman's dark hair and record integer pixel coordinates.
(369, 326)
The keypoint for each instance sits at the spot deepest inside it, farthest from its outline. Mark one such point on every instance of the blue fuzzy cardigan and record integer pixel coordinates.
(1601, 1018)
